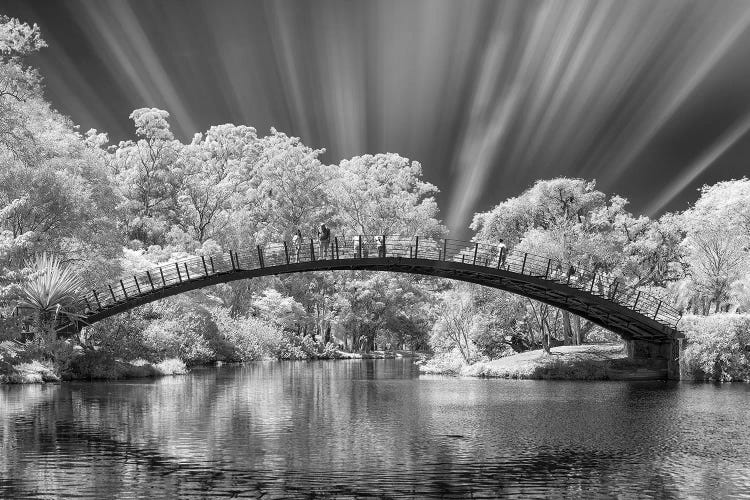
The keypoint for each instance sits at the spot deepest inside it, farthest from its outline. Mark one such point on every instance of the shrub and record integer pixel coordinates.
(33, 372)
(718, 347)
(245, 338)
(181, 339)
(294, 346)
(95, 365)
(172, 366)
(122, 335)
(448, 363)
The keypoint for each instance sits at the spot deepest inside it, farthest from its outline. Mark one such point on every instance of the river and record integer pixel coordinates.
(371, 429)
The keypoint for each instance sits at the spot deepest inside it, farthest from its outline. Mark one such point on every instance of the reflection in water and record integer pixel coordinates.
(372, 428)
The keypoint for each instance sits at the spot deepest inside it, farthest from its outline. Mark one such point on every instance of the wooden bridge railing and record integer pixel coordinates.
(368, 247)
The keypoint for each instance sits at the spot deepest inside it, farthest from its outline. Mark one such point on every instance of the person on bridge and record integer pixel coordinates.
(571, 274)
(324, 235)
(381, 245)
(502, 253)
(297, 244)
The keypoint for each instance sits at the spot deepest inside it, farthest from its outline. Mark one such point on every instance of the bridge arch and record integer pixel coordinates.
(632, 314)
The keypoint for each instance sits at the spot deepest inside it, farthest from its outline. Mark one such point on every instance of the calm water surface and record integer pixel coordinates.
(372, 429)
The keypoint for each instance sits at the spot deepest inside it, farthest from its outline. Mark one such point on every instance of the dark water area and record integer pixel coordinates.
(372, 429)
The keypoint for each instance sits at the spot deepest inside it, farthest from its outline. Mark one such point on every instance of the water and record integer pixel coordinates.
(371, 429)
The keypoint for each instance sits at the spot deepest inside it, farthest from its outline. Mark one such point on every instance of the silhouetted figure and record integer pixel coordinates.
(324, 235)
(381, 245)
(571, 273)
(502, 253)
(297, 244)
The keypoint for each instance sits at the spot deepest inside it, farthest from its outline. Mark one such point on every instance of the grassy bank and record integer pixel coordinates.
(586, 362)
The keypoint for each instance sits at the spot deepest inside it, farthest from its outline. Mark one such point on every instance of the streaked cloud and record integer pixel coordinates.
(647, 97)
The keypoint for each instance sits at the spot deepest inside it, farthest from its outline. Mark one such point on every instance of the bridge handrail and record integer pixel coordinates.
(367, 247)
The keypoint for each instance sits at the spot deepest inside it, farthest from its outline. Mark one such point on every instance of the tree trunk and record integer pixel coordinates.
(567, 329)
(577, 331)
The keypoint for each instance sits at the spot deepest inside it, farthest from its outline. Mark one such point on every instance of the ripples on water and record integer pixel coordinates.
(371, 429)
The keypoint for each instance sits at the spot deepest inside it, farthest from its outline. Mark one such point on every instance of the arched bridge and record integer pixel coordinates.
(633, 314)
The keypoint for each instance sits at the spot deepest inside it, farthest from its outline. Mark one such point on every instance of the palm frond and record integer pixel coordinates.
(52, 287)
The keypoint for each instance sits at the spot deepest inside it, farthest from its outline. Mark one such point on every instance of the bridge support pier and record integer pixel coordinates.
(659, 355)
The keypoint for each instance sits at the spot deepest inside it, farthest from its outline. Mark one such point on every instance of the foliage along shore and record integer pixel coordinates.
(583, 362)
(95, 366)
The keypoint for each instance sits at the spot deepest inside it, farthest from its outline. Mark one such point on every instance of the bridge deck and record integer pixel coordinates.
(634, 314)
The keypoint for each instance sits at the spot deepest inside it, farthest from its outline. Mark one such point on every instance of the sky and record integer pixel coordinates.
(649, 98)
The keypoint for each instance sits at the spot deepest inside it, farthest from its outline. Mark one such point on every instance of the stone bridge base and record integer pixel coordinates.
(665, 355)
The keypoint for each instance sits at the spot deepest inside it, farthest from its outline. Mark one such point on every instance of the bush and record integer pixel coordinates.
(294, 346)
(247, 338)
(95, 365)
(122, 335)
(447, 363)
(33, 372)
(181, 339)
(718, 347)
(171, 366)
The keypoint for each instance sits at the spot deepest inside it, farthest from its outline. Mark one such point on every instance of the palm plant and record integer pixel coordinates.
(51, 292)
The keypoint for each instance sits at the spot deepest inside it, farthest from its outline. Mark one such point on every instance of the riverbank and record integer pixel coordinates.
(38, 372)
(585, 362)
(378, 355)
(95, 365)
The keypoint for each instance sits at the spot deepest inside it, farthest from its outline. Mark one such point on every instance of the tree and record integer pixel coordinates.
(216, 170)
(385, 194)
(288, 190)
(554, 218)
(716, 243)
(55, 195)
(148, 176)
(19, 83)
(382, 308)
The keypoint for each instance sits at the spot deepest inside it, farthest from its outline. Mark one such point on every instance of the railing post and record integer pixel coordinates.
(549, 264)
(260, 257)
(523, 266)
(658, 306)
(286, 252)
(476, 249)
(163, 281)
(445, 249)
(385, 249)
(612, 293)
(211, 260)
(312, 250)
(187, 273)
(150, 281)
(112, 292)
(205, 267)
(135, 278)
(416, 246)
(179, 275)
(96, 296)
(635, 304)
(593, 279)
(411, 252)
(463, 258)
(336, 246)
(122, 285)
(359, 251)
(231, 258)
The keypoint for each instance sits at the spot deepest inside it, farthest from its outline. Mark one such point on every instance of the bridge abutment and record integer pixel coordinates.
(658, 355)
